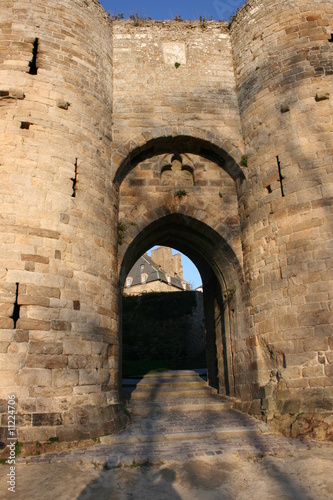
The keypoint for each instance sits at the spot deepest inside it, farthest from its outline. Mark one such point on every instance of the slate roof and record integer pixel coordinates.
(154, 272)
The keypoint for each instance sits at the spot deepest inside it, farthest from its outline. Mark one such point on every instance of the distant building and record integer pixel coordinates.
(163, 272)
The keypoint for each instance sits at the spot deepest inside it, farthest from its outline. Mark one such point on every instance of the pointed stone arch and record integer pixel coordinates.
(221, 273)
(176, 140)
(218, 233)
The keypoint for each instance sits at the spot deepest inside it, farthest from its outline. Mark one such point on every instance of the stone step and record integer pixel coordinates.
(171, 382)
(164, 392)
(171, 391)
(146, 408)
(172, 374)
(151, 437)
(178, 407)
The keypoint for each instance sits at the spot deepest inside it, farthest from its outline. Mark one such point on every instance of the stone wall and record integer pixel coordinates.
(283, 67)
(151, 92)
(162, 328)
(58, 220)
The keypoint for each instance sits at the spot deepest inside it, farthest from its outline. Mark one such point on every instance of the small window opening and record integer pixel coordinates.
(16, 311)
(25, 125)
(331, 39)
(33, 63)
(74, 179)
(281, 178)
(269, 188)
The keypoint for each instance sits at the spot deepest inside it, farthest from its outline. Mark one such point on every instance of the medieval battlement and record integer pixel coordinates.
(212, 139)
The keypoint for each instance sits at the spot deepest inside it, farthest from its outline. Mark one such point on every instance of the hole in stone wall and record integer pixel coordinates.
(269, 189)
(331, 39)
(74, 179)
(16, 311)
(25, 125)
(33, 63)
(281, 178)
(76, 305)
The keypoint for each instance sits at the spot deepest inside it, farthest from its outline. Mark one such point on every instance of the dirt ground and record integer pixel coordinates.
(304, 475)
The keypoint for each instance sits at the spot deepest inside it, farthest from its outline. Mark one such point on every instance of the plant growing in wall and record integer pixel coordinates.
(243, 161)
(180, 193)
(121, 229)
(232, 18)
(116, 17)
(137, 20)
(203, 22)
(228, 295)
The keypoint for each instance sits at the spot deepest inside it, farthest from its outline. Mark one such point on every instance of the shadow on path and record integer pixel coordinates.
(141, 481)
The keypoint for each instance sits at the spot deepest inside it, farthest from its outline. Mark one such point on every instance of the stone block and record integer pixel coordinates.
(35, 258)
(45, 404)
(321, 317)
(6, 323)
(86, 389)
(57, 325)
(7, 379)
(316, 344)
(99, 348)
(322, 96)
(65, 378)
(21, 336)
(35, 301)
(42, 291)
(88, 377)
(46, 419)
(291, 406)
(287, 322)
(313, 371)
(77, 361)
(34, 377)
(329, 356)
(298, 383)
(27, 405)
(77, 346)
(329, 370)
(11, 362)
(46, 361)
(23, 420)
(32, 324)
(292, 372)
(4, 347)
(33, 434)
(45, 348)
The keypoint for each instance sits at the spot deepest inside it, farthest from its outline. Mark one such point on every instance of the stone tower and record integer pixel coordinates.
(215, 140)
(172, 264)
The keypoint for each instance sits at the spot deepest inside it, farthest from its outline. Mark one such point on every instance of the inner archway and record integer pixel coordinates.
(221, 278)
(163, 315)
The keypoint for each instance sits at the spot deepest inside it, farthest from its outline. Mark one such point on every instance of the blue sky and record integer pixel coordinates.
(187, 9)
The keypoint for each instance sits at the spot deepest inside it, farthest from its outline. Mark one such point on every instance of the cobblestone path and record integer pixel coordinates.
(176, 416)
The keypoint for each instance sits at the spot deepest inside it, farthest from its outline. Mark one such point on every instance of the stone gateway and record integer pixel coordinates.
(214, 139)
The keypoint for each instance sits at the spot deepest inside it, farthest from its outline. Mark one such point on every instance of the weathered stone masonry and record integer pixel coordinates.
(93, 114)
